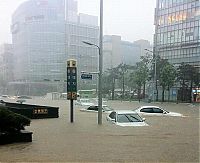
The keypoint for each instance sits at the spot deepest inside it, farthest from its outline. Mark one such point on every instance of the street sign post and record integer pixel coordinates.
(71, 85)
(86, 76)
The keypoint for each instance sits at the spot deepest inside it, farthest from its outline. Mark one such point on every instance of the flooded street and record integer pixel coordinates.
(169, 139)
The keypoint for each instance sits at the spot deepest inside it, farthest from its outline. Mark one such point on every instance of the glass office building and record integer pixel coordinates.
(45, 34)
(86, 56)
(38, 40)
(117, 51)
(177, 36)
(177, 32)
(6, 63)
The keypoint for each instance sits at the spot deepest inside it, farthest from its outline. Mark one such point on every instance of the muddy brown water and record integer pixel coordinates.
(166, 139)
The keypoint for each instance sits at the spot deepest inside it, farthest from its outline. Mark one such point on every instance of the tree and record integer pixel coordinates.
(106, 83)
(122, 69)
(140, 76)
(109, 80)
(146, 60)
(167, 77)
(119, 72)
(155, 71)
(188, 76)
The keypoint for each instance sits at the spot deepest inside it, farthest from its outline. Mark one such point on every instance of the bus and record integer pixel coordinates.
(88, 93)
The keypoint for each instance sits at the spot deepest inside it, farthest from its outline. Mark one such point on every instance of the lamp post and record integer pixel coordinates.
(155, 77)
(99, 82)
(100, 48)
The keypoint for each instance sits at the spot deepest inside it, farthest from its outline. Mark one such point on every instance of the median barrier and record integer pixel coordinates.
(33, 111)
(22, 136)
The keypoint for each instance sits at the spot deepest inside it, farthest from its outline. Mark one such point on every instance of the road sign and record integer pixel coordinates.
(71, 79)
(86, 76)
(71, 85)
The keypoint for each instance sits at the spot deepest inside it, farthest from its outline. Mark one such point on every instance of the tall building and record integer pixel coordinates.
(130, 52)
(45, 33)
(143, 44)
(6, 62)
(117, 51)
(111, 51)
(86, 56)
(177, 35)
(177, 31)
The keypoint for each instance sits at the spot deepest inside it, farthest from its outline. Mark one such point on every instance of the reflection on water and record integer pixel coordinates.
(17, 147)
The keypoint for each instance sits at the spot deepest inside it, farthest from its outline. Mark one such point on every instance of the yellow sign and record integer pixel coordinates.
(40, 111)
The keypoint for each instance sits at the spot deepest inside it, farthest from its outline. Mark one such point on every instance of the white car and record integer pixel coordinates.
(84, 102)
(5, 96)
(94, 108)
(126, 118)
(155, 110)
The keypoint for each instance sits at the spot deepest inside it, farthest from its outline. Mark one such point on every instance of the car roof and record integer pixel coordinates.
(148, 106)
(97, 105)
(125, 112)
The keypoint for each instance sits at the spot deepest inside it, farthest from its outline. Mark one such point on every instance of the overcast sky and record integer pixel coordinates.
(131, 19)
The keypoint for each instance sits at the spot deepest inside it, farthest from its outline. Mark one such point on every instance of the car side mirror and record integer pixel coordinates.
(143, 119)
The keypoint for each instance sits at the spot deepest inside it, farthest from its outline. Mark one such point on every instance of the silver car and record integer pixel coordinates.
(126, 118)
(155, 110)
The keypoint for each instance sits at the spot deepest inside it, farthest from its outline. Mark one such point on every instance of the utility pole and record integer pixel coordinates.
(100, 48)
(100, 64)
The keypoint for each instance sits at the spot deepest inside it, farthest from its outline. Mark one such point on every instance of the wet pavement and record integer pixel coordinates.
(166, 139)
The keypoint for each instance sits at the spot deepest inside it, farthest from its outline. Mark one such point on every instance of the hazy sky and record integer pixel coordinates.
(131, 19)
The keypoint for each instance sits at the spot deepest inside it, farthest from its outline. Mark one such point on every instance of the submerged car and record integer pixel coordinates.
(95, 108)
(155, 110)
(24, 97)
(5, 96)
(126, 118)
(84, 102)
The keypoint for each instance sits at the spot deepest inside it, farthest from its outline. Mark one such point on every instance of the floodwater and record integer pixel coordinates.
(166, 139)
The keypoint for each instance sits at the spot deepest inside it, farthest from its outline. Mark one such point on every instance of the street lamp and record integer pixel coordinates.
(99, 83)
(100, 48)
(155, 77)
(91, 44)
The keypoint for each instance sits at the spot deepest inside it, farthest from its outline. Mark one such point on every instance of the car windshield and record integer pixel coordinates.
(124, 118)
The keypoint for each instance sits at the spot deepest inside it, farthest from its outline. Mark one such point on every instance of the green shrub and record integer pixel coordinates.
(12, 122)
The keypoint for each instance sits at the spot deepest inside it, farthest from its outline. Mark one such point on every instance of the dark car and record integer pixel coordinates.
(94, 108)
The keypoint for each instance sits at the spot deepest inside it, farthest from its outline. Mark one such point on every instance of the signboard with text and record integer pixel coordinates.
(86, 76)
(71, 80)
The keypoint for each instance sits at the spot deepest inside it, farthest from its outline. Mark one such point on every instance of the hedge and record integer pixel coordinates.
(11, 122)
